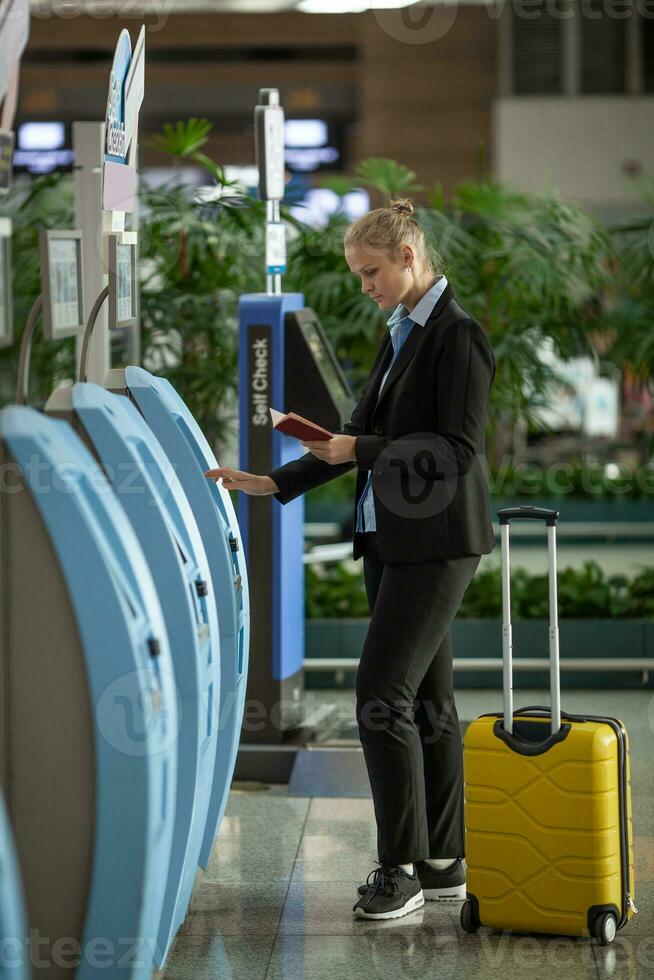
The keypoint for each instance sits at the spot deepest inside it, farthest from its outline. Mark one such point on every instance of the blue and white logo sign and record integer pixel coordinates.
(126, 90)
(116, 145)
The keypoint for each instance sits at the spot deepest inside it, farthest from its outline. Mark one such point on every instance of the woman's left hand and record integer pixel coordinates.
(338, 449)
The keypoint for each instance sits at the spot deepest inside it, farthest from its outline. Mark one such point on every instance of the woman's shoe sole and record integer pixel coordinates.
(412, 905)
(456, 893)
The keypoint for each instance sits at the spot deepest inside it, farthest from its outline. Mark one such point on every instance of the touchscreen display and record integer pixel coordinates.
(5, 287)
(64, 283)
(126, 291)
(324, 360)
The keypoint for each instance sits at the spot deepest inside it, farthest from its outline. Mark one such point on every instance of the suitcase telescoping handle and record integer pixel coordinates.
(550, 518)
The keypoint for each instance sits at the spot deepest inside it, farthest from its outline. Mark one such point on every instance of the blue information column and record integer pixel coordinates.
(273, 536)
(286, 363)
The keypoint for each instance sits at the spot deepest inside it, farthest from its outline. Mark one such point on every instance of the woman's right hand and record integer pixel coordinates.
(240, 480)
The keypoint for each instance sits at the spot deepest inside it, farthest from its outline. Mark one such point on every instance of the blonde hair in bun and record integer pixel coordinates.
(387, 229)
(403, 207)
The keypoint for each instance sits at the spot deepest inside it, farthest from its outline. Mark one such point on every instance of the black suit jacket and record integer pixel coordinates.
(423, 441)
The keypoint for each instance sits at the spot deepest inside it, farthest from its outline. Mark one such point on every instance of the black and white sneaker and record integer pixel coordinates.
(448, 885)
(391, 893)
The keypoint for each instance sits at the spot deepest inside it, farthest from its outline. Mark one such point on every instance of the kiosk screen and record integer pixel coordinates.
(324, 358)
(61, 269)
(122, 283)
(6, 326)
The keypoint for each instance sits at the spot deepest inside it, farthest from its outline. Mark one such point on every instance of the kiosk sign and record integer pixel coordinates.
(14, 31)
(126, 90)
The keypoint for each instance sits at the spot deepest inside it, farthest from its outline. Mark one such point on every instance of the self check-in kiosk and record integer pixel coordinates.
(190, 454)
(285, 360)
(177, 434)
(286, 363)
(88, 700)
(88, 709)
(13, 924)
(172, 424)
(158, 509)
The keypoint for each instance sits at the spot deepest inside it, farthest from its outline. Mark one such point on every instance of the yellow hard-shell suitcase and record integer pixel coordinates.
(548, 834)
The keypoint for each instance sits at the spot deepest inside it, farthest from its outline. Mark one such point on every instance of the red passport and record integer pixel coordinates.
(294, 425)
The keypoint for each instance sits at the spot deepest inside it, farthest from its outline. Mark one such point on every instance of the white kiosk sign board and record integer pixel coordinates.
(126, 90)
(14, 31)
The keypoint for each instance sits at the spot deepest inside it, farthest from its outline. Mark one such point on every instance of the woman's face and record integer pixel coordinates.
(383, 277)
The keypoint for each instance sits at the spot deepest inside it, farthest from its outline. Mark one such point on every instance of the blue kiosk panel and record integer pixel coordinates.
(162, 519)
(132, 707)
(190, 453)
(273, 536)
(13, 925)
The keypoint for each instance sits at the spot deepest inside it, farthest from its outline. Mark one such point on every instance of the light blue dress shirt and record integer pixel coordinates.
(400, 325)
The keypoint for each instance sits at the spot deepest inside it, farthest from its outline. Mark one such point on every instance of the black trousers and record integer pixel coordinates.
(407, 718)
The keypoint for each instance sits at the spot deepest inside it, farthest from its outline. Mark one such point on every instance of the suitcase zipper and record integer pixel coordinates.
(616, 725)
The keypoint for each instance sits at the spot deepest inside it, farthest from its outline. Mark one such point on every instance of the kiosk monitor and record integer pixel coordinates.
(123, 285)
(62, 283)
(324, 356)
(6, 313)
(315, 384)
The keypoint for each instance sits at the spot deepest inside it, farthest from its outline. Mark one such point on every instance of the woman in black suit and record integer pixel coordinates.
(422, 521)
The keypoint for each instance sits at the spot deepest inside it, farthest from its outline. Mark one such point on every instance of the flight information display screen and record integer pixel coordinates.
(61, 273)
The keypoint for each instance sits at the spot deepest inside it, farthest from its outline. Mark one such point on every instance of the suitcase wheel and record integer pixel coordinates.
(469, 920)
(605, 928)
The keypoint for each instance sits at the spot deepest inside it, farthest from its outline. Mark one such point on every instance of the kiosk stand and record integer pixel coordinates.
(286, 363)
(88, 709)
(154, 434)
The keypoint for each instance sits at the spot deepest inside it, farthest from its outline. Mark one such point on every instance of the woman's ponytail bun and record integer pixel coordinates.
(403, 207)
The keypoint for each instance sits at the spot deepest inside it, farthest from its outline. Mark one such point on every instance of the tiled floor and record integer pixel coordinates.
(276, 901)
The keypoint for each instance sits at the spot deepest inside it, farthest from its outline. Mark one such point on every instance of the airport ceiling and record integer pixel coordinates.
(243, 6)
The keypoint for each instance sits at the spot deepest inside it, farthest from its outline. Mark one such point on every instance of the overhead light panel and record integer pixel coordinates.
(305, 132)
(41, 136)
(350, 6)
